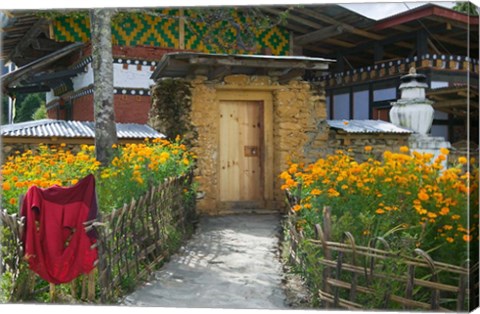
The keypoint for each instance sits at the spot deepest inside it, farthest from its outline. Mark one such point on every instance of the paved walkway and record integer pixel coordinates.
(230, 262)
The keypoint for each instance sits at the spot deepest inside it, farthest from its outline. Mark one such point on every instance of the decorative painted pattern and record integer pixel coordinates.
(275, 38)
(129, 30)
(157, 31)
(147, 30)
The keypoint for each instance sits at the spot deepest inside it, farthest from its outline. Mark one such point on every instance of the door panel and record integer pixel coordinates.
(241, 151)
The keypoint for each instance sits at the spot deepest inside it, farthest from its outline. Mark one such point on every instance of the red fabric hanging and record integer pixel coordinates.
(57, 247)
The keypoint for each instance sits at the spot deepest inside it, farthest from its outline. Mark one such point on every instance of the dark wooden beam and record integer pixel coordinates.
(293, 18)
(290, 75)
(257, 63)
(27, 89)
(54, 76)
(319, 35)
(347, 27)
(45, 44)
(39, 27)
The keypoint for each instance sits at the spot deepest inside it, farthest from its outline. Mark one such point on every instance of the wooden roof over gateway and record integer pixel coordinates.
(217, 66)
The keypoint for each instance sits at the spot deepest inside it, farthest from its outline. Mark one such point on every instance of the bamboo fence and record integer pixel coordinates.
(351, 277)
(132, 242)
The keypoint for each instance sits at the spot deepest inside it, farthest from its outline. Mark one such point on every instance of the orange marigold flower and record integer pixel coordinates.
(368, 148)
(6, 186)
(467, 238)
(316, 192)
(296, 208)
(444, 211)
(422, 195)
(449, 239)
(13, 201)
(380, 211)
(404, 149)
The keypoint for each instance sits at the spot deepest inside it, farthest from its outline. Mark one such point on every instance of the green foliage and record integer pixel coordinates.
(466, 7)
(26, 105)
(171, 108)
(40, 113)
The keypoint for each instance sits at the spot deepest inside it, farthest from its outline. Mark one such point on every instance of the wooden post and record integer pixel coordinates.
(53, 295)
(91, 286)
(73, 288)
(181, 30)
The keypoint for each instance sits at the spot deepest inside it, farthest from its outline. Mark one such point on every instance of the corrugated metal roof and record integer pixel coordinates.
(367, 126)
(72, 129)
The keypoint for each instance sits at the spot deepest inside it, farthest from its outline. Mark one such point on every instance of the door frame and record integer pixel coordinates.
(266, 98)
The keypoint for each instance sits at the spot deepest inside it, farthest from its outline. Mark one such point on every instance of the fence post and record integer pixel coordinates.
(435, 297)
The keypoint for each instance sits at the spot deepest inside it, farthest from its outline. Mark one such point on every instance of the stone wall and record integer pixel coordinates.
(205, 119)
(355, 143)
(299, 129)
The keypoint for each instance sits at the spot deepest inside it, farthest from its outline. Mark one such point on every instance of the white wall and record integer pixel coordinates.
(131, 77)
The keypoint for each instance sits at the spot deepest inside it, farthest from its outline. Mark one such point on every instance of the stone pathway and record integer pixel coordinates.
(230, 262)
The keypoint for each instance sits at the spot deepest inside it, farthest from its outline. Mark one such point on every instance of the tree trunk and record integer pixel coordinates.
(102, 63)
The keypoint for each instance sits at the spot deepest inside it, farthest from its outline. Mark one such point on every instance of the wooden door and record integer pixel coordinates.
(241, 154)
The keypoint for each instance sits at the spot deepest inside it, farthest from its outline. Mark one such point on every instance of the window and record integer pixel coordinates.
(341, 106)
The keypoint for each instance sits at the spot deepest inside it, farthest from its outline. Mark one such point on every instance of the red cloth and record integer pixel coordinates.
(53, 216)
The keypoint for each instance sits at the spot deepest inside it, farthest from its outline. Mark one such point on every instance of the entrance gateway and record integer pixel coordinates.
(241, 150)
(248, 115)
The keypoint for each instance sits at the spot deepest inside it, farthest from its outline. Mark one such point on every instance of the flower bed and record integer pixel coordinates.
(134, 168)
(407, 201)
(148, 187)
(405, 196)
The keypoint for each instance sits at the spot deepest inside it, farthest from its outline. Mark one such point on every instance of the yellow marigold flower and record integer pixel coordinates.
(333, 193)
(368, 148)
(455, 217)
(74, 181)
(462, 160)
(450, 240)
(404, 149)
(431, 215)
(316, 192)
(185, 161)
(444, 151)
(447, 227)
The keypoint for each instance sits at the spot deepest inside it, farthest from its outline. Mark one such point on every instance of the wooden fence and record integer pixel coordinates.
(348, 276)
(132, 242)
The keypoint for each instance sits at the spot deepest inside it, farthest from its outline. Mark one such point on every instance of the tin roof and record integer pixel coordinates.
(74, 129)
(367, 126)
